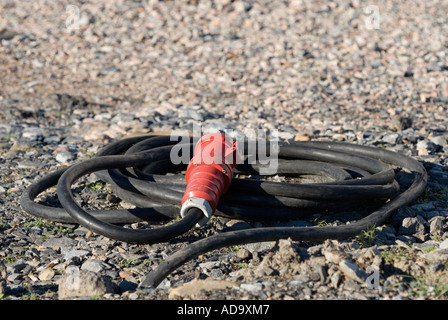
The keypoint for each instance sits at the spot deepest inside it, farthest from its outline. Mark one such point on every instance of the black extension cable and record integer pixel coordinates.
(140, 171)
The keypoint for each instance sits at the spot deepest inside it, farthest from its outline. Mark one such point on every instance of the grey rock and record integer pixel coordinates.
(314, 276)
(52, 139)
(303, 278)
(234, 225)
(336, 279)
(28, 165)
(32, 133)
(95, 265)
(58, 243)
(216, 274)
(352, 271)
(385, 234)
(14, 277)
(64, 101)
(411, 226)
(3, 277)
(295, 284)
(190, 113)
(392, 138)
(194, 288)
(438, 255)
(17, 265)
(425, 147)
(439, 140)
(400, 214)
(209, 264)
(433, 67)
(444, 244)
(104, 116)
(215, 126)
(404, 240)
(351, 285)
(263, 270)
(260, 246)
(252, 287)
(411, 135)
(81, 283)
(437, 266)
(63, 157)
(71, 253)
(7, 34)
(400, 123)
(436, 226)
(321, 270)
(243, 253)
(333, 254)
(286, 135)
(47, 274)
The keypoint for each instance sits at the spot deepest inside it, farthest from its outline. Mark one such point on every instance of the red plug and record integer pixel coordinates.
(209, 174)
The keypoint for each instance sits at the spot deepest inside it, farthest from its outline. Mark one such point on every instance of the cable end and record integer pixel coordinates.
(200, 204)
(209, 174)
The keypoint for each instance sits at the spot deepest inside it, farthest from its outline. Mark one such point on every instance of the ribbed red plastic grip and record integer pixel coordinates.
(210, 171)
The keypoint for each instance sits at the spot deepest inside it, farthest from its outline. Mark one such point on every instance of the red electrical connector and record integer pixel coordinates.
(209, 174)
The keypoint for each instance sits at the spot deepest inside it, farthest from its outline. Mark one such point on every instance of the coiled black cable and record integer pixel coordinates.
(140, 171)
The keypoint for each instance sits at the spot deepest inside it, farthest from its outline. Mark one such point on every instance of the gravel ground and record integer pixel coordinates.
(75, 77)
